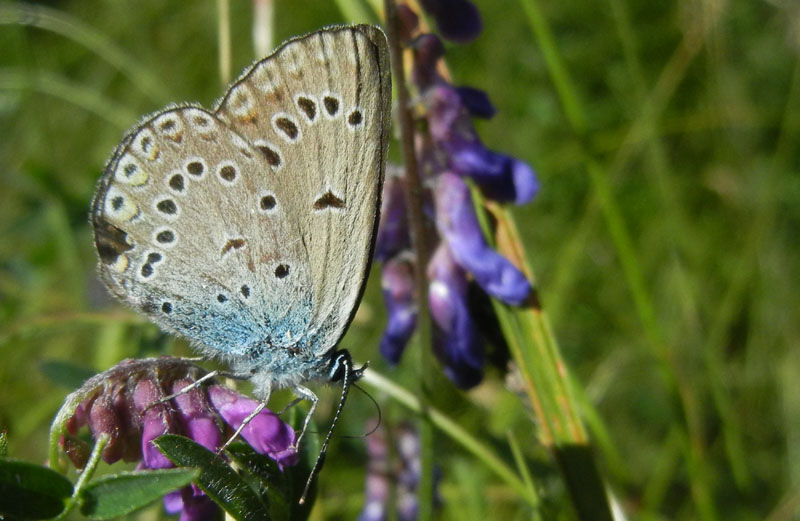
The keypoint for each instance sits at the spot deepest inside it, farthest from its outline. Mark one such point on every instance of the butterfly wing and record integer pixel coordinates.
(319, 110)
(249, 230)
(190, 230)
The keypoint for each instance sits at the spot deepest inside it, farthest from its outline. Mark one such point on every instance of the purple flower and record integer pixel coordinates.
(427, 51)
(266, 433)
(196, 415)
(448, 150)
(455, 341)
(397, 282)
(401, 472)
(393, 236)
(378, 487)
(127, 403)
(476, 102)
(457, 20)
(157, 419)
(499, 176)
(458, 224)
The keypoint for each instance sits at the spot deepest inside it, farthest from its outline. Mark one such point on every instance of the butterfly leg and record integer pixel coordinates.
(197, 383)
(304, 393)
(266, 392)
(256, 411)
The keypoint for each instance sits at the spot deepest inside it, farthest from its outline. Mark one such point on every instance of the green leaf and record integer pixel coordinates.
(263, 474)
(281, 490)
(29, 491)
(222, 484)
(120, 494)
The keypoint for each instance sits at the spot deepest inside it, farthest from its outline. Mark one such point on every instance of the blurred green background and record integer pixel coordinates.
(665, 237)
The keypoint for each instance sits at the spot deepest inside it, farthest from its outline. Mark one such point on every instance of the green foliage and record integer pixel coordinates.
(29, 491)
(664, 243)
(217, 478)
(116, 495)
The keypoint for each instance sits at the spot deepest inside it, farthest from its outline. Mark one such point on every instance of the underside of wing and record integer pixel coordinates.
(191, 229)
(319, 112)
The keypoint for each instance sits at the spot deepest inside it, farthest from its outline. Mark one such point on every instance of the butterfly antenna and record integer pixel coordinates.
(377, 408)
(341, 368)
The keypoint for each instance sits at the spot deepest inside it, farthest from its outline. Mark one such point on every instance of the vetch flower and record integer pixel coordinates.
(458, 225)
(393, 234)
(266, 433)
(401, 473)
(500, 177)
(455, 340)
(449, 153)
(378, 486)
(127, 403)
(157, 419)
(397, 282)
(457, 20)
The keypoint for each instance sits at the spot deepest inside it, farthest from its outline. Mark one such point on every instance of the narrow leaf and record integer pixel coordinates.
(217, 479)
(120, 494)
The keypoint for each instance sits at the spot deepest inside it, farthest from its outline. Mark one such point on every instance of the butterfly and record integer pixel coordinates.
(249, 229)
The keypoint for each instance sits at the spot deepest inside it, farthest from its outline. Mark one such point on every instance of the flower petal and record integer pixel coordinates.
(198, 506)
(500, 177)
(476, 102)
(266, 433)
(397, 282)
(428, 48)
(393, 235)
(455, 340)
(457, 20)
(196, 416)
(157, 419)
(458, 224)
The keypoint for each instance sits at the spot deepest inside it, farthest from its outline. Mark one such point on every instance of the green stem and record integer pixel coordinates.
(456, 432)
(413, 191)
(85, 476)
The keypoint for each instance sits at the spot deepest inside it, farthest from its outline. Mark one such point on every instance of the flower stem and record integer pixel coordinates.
(445, 424)
(86, 475)
(413, 193)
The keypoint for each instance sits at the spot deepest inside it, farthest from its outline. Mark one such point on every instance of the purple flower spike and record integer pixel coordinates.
(377, 486)
(393, 235)
(455, 340)
(195, 414)
(157, 419)
(457, 20)
(397, 282)
(457, 222)
(266, 433)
